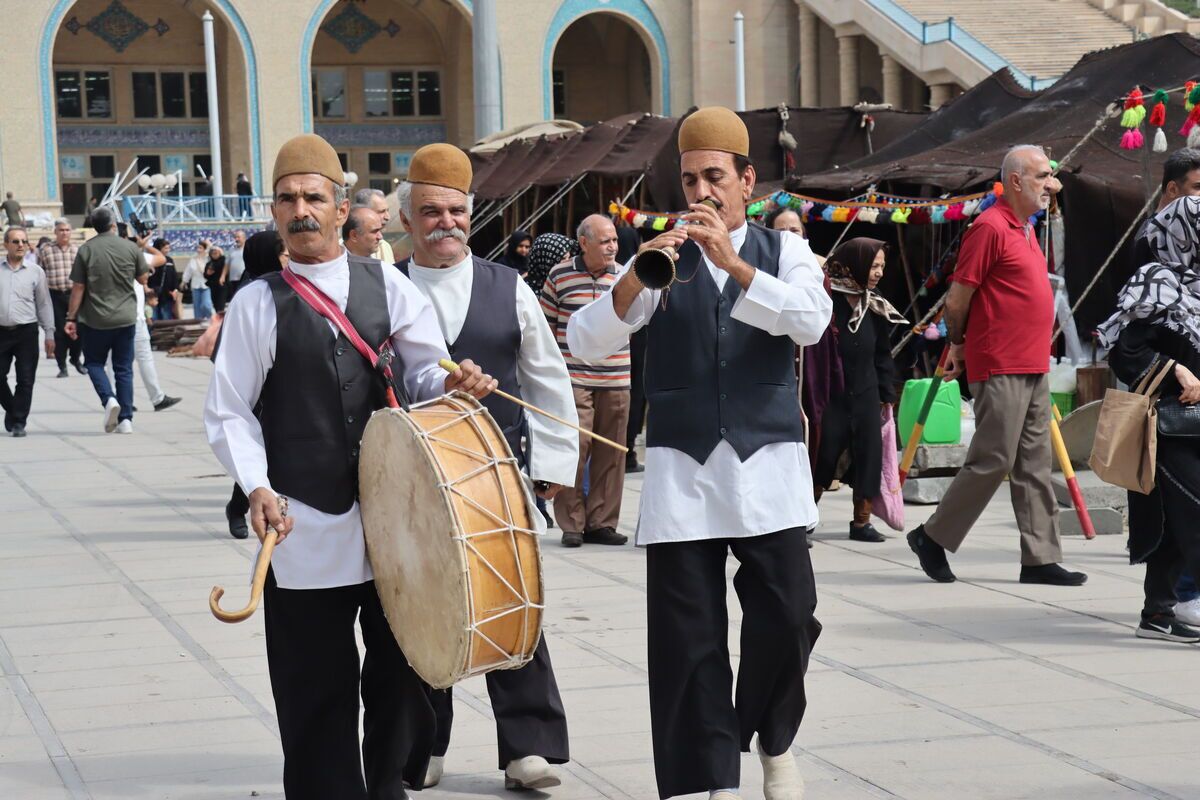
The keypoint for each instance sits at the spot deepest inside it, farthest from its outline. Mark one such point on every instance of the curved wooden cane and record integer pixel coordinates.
(256, 585)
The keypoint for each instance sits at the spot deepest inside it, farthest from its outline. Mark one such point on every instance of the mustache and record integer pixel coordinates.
(305, 225)
(441, 233)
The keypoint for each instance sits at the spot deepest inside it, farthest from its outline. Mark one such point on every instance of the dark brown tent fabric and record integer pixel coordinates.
(644, 140)
(590, 148)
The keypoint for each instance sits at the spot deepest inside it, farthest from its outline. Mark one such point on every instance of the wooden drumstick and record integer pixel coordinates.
(450, 366)
(260, 578)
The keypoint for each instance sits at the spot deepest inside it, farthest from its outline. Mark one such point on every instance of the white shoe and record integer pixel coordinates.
(111, 409)
(1188, 613)
(781, 776)
(724, 794)
(530, 772)
(433, 773)
(125, 426)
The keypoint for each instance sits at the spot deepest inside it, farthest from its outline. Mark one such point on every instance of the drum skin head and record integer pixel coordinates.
(456, 607)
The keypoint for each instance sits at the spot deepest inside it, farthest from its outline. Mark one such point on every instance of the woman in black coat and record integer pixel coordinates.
(851, 422)
(516, 253)
(1157, 320)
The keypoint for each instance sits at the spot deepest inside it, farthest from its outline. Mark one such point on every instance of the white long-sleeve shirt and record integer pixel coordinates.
(323, 550)
(541, 371)
(724, 497)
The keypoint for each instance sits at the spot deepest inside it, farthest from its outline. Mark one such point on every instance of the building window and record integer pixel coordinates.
(344, 160)
(151, 163)
(402, 93)
(329, 93)
(379, 163)
(103, 166)
(83, 94)
(85, 176)
(170, 95)
(559, 90)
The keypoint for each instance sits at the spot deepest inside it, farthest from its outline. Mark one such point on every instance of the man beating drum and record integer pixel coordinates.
(726, 470)
(316, 394)
(488, 314)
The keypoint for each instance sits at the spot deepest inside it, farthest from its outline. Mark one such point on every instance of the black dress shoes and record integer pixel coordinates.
(570, 539)
(604, 536)
(931, 555)
(18, 431)
(80, 368)
(1052, 574)
(237, 526)
(866, 533)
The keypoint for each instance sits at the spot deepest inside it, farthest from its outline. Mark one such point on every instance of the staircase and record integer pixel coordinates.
(1149, 17)
(1042, 38)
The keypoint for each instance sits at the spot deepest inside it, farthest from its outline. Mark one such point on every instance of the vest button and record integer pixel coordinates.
(341, 350)
(354, 453)
(345, 387)
(722, 363)
(722, 396)
(723, 431)
(349, 419)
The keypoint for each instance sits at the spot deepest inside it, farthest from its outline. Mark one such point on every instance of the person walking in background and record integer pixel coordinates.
(244, 192)
(164, 283)
(56, 259)
(516, 252)
(548, 251)
(214, 278)
(193, 278)
(235, 266)
(850, 423)
(1000, 312)
(376, 200)
(143, 353)
(24, 306)
(362, 231)
(103, 311)
(12, 209)
(601, 390)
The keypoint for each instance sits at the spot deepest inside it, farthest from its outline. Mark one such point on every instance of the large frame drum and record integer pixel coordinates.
(447, 517)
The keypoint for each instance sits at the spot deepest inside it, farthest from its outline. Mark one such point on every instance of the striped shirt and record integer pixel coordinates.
(56, 263)
(568, 288)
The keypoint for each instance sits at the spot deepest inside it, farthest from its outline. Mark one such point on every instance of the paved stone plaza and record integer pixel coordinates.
(118, 683)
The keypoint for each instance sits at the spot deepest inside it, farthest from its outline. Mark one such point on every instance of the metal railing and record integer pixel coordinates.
(165, 209)
(950, 31)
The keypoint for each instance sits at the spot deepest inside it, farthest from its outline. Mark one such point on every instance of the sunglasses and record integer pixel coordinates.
(19, 241)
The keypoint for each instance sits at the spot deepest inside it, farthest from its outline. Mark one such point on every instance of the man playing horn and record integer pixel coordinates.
(314, 393)
(726, 470)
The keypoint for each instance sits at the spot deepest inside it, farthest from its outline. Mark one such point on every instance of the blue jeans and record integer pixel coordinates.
(98, 343)
(202, 307)
(1186, 590)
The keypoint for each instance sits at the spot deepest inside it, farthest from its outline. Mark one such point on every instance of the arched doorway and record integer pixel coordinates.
(602, 68)
(386, 78)
(128, 82)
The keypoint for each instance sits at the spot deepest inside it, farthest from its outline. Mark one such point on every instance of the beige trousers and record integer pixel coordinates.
(606, 412)
(1012, 437)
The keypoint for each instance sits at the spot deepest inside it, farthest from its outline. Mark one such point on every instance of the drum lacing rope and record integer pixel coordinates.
(489, 461)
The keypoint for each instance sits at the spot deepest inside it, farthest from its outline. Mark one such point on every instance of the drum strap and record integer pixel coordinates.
(318, 301)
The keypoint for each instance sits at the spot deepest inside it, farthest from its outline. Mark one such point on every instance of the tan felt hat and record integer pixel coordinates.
(714, 128)
(441, 165)
(305, 154)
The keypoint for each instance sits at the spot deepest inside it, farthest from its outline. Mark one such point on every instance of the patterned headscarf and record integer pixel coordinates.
(1165, 292)
(548, 251)
(849, 270)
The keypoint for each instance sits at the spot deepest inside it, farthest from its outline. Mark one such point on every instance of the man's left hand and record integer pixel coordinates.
(49, 348)
(471, 379)
(708, 231)
(549, 492)
(70, 330)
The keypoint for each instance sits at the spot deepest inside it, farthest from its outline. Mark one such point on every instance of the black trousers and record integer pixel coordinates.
(1179, 548)
(637, 387)
(315, 678)
(18, 344)
(530, 720)
(239, 503)
(60, 300)
(698, 725)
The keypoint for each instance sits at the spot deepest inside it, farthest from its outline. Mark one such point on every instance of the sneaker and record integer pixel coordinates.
(865, 533)
(62, 372)
(125, 426)
(166, 402)
(530, 772)
(570, 539)
(111, 410)
(1168, 629)
(433, 773)
(781, 778)
(18, 431)
(1189, 612)
(604, 536)
(1053, 575)
(931, 555)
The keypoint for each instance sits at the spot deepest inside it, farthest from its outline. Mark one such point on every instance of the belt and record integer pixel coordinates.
(16, 327)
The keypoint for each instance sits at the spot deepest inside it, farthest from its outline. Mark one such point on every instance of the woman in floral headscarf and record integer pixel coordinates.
(548, 250)
(1158, 320)
(850, 422)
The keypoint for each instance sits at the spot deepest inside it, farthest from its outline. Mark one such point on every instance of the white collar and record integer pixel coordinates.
(321, 270)
(441, 273)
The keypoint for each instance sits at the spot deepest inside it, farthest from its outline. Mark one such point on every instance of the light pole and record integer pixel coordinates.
(159, 183)
(739, 60)
(214, 117)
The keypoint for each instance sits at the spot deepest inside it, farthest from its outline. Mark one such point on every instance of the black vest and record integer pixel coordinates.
(320, 392)
(710, 377)
(491, 337)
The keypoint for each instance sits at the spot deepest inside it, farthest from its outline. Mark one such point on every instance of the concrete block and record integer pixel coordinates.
(925, 491)
(1096, 493)
(940, 456)
(1106, 521)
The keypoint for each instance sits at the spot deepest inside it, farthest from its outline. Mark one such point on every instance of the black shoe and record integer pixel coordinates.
(133, 409)
(572, 539)
(549, 520)
(166, 402)
(1168, 629)
(237, 525)
(808, 539)
(604, 536)
(1052, 574)
(80, 368)
(631, 463)
(865, 533)
(931, 555)
(18, 431)
(62, 372)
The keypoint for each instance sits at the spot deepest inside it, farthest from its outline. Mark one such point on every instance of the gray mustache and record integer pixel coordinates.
(441, 233)
(306, 225)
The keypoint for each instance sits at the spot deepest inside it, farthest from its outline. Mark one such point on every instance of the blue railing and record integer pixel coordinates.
(950, 31)
(173, 209)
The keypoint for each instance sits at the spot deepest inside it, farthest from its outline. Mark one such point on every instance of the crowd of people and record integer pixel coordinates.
(760, 377)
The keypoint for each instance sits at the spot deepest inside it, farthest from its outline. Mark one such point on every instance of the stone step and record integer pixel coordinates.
(939, 456)
(926, 491)
(1106, 521)
(1096, 493)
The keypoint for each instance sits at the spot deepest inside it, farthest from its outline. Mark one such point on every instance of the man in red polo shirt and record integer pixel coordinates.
(1000, 313)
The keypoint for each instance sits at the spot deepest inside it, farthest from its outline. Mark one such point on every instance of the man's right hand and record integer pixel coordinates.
(955, 363)
(264, 513)
(70, 330)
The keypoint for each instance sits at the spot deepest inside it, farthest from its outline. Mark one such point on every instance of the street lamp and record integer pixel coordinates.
(351, 178)
(159, 183)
